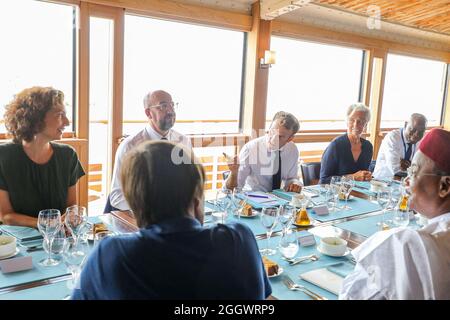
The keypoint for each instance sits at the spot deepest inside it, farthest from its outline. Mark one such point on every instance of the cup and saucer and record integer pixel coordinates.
(333, 246)
(8, 247)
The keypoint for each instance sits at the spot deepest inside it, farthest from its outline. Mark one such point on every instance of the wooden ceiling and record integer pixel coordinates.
(429, 15)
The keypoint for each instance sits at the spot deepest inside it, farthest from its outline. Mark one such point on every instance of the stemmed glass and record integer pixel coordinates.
(269, 219)
(239, 200)
(75, 220)
(74, 256)
(289, 244)
(49, 223)
(383, 199)
(347, 185)
(224, 203)
(286, 216)
(335, 185)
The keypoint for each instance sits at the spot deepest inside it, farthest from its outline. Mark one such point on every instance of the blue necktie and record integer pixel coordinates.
(408, 151)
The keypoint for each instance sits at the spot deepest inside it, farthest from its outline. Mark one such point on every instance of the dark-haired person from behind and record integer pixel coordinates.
(172, 256)
(35, 172)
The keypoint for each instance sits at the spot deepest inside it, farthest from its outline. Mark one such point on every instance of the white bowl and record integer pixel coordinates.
(7, 245)
(333, 246)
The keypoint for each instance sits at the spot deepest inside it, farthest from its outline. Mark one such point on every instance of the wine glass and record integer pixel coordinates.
(99, 236)
(49, 222)
(223, 203)
(347, 185)
(74, 255)
(289, 244)
(76, 220)
(269, 219)
(383, 199)
(57, 244)
(335, 184)
(239, 200)
(286, 216)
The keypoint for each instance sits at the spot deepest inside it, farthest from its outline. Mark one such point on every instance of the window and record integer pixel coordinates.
(201, 67)
(37, 49)
(412, 85)
(315, 82)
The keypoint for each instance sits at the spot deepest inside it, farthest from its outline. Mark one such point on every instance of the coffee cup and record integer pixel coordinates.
(7, 245)
(333, 246)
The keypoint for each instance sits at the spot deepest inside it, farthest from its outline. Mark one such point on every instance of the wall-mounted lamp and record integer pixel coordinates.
(268, 60)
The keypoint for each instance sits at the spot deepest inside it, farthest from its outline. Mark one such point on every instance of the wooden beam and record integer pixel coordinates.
(182, 12)
(376, 100)
(312, 33)
(82, 112)
(256, 78)
(271, 9)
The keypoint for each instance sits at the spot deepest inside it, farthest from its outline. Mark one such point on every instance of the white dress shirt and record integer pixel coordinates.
(148, 133)
(257, 165)
(392, 149)
(403, 263)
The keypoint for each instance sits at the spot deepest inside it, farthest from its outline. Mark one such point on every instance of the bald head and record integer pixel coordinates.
(159, 109)
(153, 97)
(415, 128)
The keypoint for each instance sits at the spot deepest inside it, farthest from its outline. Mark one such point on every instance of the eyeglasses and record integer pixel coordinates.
(413, 169)
(164, 106)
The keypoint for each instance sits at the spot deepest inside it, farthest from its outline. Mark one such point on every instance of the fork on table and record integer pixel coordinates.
(297, 287)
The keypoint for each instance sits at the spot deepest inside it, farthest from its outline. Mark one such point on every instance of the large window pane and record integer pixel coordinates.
(37, 49)
(200, 66)
(314, 82)
(412, 85)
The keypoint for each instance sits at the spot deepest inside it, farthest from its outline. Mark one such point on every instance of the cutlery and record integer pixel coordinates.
(352, 260)
(35, 248)
(295, 261)
(297, 287)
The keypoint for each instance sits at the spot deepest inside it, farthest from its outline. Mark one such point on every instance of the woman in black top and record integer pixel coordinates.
(349, 154)
(35, 173)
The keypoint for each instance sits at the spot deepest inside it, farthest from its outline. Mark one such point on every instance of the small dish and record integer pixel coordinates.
(346, 253)
(280, 271)
(10, 255)
(254, 214)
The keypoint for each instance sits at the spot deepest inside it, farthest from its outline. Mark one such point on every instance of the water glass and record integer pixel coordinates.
(335, 186)
(269, 219)
(239, 200)
(49, 223)
(99, 236)
(74, 256)
(224, 202)
(286, 216)
(76, 220)
(346, 187)
(401, 218)
(289, 244)
(384, 198)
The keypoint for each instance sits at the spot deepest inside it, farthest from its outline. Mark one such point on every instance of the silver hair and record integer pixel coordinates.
(359, 107)
(147, 98)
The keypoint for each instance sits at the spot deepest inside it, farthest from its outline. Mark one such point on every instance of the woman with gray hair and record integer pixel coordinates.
(349, 154)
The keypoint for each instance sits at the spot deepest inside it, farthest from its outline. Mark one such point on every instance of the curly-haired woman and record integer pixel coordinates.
(36, 173)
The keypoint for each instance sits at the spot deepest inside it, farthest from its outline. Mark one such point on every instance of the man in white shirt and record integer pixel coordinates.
(398, 147)
(268, 162)
(160, 111)
(403, 263)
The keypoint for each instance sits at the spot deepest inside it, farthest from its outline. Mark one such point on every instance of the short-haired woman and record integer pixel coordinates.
(35, 173)
(349, 154)
(172, 256)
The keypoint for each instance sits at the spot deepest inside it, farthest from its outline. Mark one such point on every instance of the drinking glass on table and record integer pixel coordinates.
(76, 220)
(74, 254)
(289, 244)
(223, 202)
(384, 198)
(57, 244)
(269, 219)
(286, 216)
(401, 217)
(49, 223)
(239, 200)
(347, 185)
(335, 186)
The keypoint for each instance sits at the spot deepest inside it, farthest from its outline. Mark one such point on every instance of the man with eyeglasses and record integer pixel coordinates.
(405, 263)
(398, 148)
(160, 111)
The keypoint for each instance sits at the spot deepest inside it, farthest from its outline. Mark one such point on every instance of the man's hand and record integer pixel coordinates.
(233, 164)
(294, 188)
(362, 175)
(404, 164)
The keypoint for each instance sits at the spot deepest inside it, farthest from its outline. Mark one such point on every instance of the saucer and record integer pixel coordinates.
(347, 252)
(254, 214)
(10, 255)
(280, 271)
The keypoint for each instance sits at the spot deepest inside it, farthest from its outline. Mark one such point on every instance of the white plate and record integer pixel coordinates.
(254, 214)
(347, 252)
(280, 271)
(10, 255)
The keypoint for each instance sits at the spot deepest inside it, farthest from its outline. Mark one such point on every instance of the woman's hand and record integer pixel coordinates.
(362, 175)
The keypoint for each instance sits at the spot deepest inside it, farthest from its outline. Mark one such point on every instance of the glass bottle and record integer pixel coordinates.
(302, 217)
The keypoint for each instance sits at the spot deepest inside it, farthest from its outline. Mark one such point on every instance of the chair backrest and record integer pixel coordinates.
(108, 207)
(310, 173)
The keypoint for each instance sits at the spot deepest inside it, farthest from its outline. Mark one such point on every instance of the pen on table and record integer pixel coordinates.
(258, 196)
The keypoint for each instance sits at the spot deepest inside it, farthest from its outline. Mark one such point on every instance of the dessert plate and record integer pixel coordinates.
(347, 252)
(280, 271)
